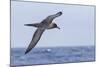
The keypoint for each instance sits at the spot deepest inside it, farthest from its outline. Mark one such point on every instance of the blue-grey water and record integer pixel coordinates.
(52, 55)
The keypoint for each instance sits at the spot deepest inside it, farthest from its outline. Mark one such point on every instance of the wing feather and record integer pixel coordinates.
(35, 39)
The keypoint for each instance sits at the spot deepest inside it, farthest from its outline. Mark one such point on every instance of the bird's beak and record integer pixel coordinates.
(58, 27)
(28, 24)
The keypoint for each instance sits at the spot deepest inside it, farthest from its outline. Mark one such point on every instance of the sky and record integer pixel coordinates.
(76, 23)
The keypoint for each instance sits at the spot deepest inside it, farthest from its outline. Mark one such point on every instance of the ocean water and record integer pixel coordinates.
(52, 55)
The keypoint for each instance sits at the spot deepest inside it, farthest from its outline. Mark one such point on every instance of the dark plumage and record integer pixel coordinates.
(41, 27)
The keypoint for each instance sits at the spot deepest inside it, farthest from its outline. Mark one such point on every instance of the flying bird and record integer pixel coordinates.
(41, 27)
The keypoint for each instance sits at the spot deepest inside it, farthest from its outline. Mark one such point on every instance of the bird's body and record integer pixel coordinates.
(41, 27)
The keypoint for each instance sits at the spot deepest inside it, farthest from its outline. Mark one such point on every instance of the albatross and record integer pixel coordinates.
(41, 27)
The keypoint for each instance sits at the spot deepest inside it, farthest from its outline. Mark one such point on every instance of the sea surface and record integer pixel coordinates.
(52, 55)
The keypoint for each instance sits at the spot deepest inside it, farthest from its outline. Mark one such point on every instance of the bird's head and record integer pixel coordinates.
(55, 25)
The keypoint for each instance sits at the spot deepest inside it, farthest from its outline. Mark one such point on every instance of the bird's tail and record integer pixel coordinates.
(33, 25)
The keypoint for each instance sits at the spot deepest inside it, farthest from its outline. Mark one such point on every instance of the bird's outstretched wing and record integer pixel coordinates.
(35, 39)
(49, 19)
